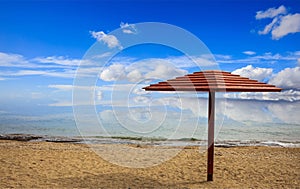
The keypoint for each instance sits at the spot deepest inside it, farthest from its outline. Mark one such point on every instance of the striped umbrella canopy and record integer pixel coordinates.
(212, 81)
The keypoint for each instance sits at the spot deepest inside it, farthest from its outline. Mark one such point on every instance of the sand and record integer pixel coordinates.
(66, 165)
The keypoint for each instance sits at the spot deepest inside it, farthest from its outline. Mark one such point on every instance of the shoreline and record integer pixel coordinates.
(70, 165)
(146, 141)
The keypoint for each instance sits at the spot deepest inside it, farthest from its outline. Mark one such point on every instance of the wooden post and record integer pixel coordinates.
(211, 125)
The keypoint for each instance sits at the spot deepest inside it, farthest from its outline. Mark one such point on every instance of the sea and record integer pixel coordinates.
(176, 122)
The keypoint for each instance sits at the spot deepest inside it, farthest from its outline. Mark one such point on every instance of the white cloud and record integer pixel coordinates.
(94, 93)
(177, 61)
(110, 40)
(71, 87)
(287, 112)
(271, 12)
(113, 73)
(140, 91)
(19, 61)
(65, 67)
(222, 57)
(51, 66)
(198, 106)
(266, 58)
(60, 60)
(165, 71)
(189, 62)
(238, 110)
(298, 61)
(204, 61)
(48, 73)
(289, 78)
(136, 70)
(282, 23)
(30, 72)
(13, 60)
(289, 24)
(134, 75)
(62, 87)
(249, 52)
(128, 28)
(142, 100)
(268, 27)
(257, 73)
(141, 70)
(243, 111)
(289, 95)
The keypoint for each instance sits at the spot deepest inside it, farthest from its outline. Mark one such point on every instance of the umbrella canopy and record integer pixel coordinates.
(212, 81)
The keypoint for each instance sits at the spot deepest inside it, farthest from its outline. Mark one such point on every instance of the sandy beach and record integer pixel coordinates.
(67, 165)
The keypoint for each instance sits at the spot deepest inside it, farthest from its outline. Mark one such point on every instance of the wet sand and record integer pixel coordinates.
(57, 165)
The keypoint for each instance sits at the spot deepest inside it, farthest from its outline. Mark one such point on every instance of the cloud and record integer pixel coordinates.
(48, 73)
(61, 66)
(59, 60)
(165, 71)
(204, 61)
(222, 57)
(110, 40)
(282, 23)
(289, 24)
(13, 60)
(134, 75)
(243, 111)
(189, 62)
(286, 112)
(95, 94)
(71, 87)
(128, 28)
(289, 78)
(141, 70)
(62, 87)
(19, 61)
(263, 112)
(61, 73)
(249, 52)
(30, 72)
(178, 61)
(266, 58)
(117, 95)
(288, 95)
(113, 73)
(271, 12)
(134, 68)
(268, 27)
(51, 66)
(257, 73)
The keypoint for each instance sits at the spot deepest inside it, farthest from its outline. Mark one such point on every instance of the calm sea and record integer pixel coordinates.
(240, 122)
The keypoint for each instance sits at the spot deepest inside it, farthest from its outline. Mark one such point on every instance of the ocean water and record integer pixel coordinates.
(179, 121)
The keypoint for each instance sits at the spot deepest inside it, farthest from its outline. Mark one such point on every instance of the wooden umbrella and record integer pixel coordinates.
(212, 81)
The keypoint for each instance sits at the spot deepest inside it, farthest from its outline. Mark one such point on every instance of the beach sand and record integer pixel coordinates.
(57, 165)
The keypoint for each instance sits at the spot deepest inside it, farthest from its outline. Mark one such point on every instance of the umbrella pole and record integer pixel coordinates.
(211, 123)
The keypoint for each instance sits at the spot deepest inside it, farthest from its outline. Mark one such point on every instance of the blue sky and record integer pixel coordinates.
(43, 42)
(62, 27)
